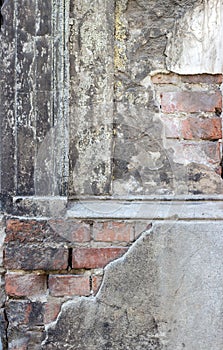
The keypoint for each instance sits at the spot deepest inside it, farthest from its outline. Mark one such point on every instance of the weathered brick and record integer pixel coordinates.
(24, 312)
(21, 339)
(113, 231)
(24, 230)
(191, 101)
(96, 257)
(68, 285)
(17, 284)
(51, 309)
(202, 152)
(202, 79)
(31, 231)
(74, 231)
(35, 257)
(96, 283)
(172, 78)
(205, 129)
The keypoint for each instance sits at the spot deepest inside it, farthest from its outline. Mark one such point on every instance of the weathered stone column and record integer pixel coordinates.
(91, 96)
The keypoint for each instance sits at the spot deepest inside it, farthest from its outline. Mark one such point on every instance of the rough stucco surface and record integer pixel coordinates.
(165, 293)
(195, 45)
(117, 141)
(144, 163)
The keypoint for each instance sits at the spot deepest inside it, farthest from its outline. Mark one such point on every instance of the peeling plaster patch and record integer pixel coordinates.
(195, 45)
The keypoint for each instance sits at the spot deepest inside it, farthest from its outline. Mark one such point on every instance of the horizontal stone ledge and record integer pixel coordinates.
(149, 210)
(166, 207)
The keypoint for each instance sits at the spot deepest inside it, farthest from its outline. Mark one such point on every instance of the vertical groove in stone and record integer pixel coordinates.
(25, 96)
(7, 96)
(51, 158)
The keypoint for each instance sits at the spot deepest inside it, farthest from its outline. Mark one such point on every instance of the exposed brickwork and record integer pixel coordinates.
(25, 312)
(172, 78)
(190, 107)
(113, 232)
(68, 285)
(71, 230)
(35, 257)
(20, 285)
(193, 128)
(90, 258)
(96, 283)
(204, 129)
(46, 262)
(51, 309)
(190, 101)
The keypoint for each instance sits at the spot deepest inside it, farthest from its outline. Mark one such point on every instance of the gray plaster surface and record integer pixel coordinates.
(164, 293)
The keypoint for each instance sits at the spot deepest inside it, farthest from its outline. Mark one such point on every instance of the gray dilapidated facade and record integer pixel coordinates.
(111, 145)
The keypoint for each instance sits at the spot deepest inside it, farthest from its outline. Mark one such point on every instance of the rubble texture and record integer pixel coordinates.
(84, 111)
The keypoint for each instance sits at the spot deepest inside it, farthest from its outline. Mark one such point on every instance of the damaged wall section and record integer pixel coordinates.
(138, 127)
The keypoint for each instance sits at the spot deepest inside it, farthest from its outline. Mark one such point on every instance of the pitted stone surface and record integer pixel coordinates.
(165, 293)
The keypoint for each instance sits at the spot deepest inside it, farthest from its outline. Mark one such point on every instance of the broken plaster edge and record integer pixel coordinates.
(92, 299)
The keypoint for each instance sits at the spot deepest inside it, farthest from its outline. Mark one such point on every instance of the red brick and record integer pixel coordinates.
(74, 231)
(172, 78)
(96, 283)
(202, 79)
(52, 309)
(190, 101)
(204, 129)
(35, 257)
(95, 257)
(113, 231)
(23, 230)
(19, 285)
(69, 285)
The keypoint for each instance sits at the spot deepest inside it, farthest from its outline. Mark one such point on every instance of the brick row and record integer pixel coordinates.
(30, 285)
(193, 128)
(30, 244)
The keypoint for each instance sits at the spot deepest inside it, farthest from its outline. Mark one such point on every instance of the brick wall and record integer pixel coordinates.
(47, 262)
(191, 107)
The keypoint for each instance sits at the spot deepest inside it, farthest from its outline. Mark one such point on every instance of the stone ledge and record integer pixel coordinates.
(201, 207)
(179, 209)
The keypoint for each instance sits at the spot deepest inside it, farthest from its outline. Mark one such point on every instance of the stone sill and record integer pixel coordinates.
(200, 207)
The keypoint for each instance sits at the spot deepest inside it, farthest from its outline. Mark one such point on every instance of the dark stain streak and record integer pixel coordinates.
(1, 17)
